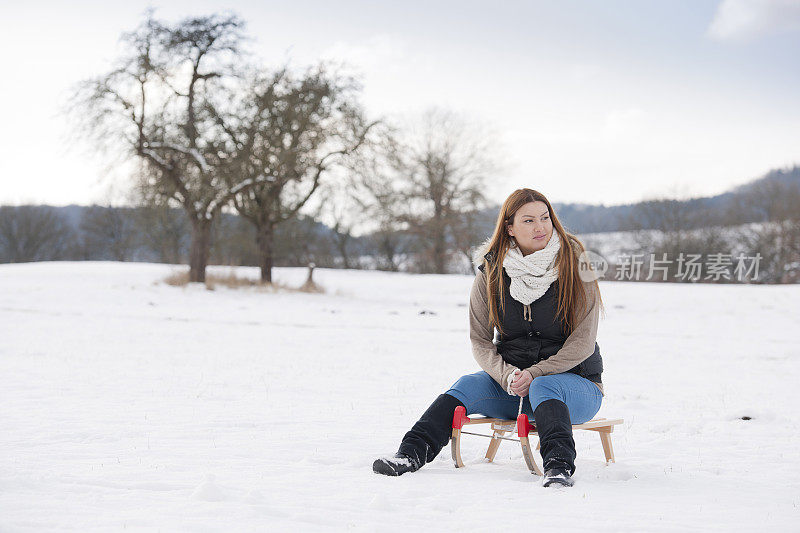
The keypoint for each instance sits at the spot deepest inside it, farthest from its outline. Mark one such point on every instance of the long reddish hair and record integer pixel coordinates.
(571, 293)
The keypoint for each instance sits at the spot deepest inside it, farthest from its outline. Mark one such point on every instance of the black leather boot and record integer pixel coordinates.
(397, 465)
(555, 437)
(427, 437)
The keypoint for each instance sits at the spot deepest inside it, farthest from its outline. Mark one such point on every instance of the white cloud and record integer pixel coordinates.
(746, 19)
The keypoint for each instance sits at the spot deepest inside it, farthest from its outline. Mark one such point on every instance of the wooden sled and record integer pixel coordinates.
(524, 430)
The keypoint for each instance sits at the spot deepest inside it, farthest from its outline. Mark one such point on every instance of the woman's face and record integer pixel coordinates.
(531, 227)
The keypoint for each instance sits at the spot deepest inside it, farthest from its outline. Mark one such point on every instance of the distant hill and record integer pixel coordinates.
(589, 218)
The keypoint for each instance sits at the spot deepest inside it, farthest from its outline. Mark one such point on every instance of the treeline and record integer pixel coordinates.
(761, 217)
(102, 233)
(751, 233)
(31, 233)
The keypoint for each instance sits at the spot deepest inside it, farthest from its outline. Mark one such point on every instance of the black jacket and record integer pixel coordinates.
(525, 343)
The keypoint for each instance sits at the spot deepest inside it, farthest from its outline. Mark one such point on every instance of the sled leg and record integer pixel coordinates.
(605, 438)
(494, 444)
(459, 419)
(523, 429)
(455, 448)
(528, 455)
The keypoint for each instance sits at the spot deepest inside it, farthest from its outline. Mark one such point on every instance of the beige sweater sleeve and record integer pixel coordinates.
(481, 334)
(578, 346)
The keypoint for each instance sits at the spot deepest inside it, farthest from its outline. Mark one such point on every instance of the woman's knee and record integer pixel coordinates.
(471, 387)
(472, 382)
(545, 388)
(581, 396)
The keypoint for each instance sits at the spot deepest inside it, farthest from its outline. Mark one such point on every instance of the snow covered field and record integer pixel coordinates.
(131, 404)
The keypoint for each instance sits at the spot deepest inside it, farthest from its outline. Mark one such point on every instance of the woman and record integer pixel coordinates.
(546, 317)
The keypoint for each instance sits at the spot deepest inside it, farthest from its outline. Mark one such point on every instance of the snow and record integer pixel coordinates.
(131, 404)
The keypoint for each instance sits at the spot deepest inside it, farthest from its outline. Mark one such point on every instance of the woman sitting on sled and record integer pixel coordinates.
(528, 288)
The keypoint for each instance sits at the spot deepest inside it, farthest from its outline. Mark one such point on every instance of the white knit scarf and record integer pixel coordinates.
(532, 275)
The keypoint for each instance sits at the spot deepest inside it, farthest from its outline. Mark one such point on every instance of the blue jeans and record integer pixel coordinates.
(483, 395)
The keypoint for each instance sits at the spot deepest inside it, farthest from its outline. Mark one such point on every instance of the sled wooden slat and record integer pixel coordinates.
(490, 421)
(600, 424)
(500, 427)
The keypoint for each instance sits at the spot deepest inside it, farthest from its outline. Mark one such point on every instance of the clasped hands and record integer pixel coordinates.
(522, 382)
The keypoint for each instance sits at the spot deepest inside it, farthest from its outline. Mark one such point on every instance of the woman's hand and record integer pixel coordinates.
(522, 382)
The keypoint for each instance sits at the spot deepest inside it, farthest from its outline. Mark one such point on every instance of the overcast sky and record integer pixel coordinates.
(597, 102)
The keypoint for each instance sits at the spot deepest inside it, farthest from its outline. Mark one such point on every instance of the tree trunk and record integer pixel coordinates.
(439, 238)
(198, 255)
(389, 248)
(341, 243)
(265, 239)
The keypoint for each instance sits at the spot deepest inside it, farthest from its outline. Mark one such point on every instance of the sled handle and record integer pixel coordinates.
(523, 426)
(460, 417)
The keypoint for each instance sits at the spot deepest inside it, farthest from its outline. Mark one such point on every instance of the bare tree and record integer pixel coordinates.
(233, 241)
(342, 216)
(665, 215)
(375, 191)
(766, 200)
(287, 134)
(158, 104)
(163, 231)
(776, 235)
(468, 230)
(667, 227)
(108, 232)
(342, 237)
(442, 165)
(34, 233)
(301, 241)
